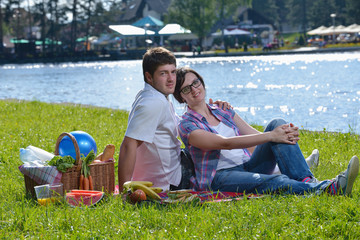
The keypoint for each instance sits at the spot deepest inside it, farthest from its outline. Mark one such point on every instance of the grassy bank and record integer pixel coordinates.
(295, 217)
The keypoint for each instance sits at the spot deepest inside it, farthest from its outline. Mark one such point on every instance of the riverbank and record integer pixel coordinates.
(137, 54)
(302, 50)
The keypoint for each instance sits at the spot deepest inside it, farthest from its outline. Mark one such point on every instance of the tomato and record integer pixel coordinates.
(137, 196)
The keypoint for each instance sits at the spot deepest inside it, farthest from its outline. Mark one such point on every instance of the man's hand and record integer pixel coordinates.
(223, 105)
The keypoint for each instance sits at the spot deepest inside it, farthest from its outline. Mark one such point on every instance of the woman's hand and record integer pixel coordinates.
(285, 134)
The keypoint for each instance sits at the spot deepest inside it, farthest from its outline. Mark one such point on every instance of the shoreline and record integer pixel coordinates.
(137, 54)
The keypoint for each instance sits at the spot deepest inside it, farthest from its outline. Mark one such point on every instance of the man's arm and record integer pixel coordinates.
(127, 159)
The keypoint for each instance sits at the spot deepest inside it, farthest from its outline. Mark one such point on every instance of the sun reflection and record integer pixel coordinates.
(284, 109)
(241, 109)
(251, 85)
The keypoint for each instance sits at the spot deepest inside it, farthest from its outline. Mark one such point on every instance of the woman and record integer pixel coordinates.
(229, 155)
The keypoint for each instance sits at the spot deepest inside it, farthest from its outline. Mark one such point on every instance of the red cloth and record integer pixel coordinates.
(208, 196)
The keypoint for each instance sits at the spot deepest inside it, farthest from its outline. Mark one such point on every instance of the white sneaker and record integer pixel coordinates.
(345, 180)
(313, 159)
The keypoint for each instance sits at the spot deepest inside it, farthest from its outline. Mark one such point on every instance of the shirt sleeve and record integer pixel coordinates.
(144, 120)
(186, 127)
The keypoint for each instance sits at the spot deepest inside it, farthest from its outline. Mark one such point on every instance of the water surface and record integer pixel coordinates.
(314, 91)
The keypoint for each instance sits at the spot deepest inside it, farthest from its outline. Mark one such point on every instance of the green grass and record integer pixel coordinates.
(278, 217)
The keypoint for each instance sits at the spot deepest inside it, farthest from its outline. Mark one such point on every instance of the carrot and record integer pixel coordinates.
(91, 186)
(81, 185)
(86, 183)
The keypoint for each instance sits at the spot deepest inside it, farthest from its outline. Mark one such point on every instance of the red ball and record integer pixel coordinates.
(137, 196)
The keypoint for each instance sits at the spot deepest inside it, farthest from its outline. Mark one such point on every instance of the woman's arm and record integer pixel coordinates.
(244, 127)
(216, 141)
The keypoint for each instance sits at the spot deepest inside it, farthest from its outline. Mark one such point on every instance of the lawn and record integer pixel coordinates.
(272, 217)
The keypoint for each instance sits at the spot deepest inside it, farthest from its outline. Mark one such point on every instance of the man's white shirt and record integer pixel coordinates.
(152, 120)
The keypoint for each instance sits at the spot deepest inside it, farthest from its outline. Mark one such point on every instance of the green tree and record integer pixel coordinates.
(225, 9)
(282, 11)
(1, 30)
(197, 15)
(353, 11)
(319, 13)
(267, 8)
(298, 13)
(200, 15)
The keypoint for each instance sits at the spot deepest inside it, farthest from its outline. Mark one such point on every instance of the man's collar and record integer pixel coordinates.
(148, 87)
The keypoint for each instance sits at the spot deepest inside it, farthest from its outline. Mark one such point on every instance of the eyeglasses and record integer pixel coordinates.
(186, 90)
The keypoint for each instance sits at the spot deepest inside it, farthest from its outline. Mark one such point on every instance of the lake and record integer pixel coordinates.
(314, 91)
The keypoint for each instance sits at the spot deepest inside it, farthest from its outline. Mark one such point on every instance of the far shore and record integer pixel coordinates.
(137, 54)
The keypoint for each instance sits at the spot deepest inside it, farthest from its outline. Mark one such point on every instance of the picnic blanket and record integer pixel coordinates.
(207, 197)
(41, 175)
(202, 196)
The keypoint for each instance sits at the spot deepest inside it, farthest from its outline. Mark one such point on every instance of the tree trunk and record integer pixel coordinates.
(88, 28)
(73, 27)
(43, 32)
(1, 31)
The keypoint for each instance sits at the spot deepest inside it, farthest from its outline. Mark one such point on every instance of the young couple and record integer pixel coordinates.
(227, 153)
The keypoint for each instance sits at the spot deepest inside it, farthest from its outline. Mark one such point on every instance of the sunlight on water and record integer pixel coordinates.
(315, 91)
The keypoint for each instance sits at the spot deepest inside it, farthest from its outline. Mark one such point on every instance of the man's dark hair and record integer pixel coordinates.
(155, 57)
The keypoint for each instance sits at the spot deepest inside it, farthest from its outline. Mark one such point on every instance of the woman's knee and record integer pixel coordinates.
(274, 124)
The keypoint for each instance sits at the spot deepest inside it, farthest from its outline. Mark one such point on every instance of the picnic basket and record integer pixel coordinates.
(103, 173)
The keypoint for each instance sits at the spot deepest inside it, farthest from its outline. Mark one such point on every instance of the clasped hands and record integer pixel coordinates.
(287, 133)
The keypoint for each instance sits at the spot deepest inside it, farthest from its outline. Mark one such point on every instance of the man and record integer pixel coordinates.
(150, 150)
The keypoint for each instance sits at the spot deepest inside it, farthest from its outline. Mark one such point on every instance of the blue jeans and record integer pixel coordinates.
(255, 176)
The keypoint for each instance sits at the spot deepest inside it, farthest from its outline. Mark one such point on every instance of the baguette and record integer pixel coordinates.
(108, 153)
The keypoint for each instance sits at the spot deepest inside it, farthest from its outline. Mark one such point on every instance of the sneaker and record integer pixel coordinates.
(345, 180)
(313, 159)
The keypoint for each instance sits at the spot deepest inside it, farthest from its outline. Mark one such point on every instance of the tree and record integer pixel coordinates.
(299, 13)
(281, 11)
(353, 11)
(319, 13)
(225, 9)
(267, 8)
(200, 15)
(74, 25)
(1, 30)
(197, 15)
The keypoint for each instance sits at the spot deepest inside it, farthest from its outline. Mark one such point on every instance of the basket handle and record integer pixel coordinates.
(77, 149)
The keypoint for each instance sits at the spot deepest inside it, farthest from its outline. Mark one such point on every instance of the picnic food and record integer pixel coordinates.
(86, 182)
(78, 198)
(107, 154)
(156, 189)
(62, 163)
(137, 196)
(132, 186)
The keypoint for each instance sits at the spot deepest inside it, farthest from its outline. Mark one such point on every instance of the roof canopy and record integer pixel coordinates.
(148, 21)
(173, 28)
(354, 28)
(316, 31)
(129, 30)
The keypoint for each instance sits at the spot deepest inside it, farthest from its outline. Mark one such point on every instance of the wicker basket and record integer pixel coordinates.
(103, 174)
